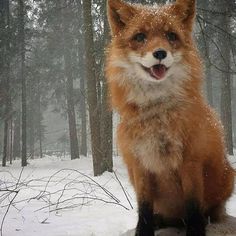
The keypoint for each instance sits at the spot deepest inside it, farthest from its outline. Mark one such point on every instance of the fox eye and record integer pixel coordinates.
(140, 37)
(171, 36)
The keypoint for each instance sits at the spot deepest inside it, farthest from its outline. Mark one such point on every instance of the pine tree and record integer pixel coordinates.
(21, 9)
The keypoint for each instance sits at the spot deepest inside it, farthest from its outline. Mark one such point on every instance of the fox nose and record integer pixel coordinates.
(160, 54)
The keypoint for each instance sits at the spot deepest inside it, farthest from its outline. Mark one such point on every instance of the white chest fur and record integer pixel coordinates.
(158, 146)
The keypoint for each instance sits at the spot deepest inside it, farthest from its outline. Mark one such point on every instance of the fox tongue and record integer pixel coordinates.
(158, 71)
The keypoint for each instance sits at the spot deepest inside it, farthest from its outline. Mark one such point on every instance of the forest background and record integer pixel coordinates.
(53, 93)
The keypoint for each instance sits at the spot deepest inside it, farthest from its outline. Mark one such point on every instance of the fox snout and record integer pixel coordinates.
(157, 63)
(154, 63)
(157, 56)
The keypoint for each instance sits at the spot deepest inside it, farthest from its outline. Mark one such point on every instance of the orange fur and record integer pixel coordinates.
(173, 144)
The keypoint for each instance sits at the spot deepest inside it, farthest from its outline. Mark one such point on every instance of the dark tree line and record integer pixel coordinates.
(52, 57)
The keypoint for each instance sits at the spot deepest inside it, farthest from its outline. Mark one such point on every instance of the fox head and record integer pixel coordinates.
(152, 53)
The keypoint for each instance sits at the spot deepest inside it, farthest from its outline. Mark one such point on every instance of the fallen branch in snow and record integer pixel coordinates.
(84, 175)
(93, 185)
(83, 198)
(63, 190)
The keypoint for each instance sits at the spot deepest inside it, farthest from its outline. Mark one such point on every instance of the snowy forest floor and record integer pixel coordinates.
(58, 197)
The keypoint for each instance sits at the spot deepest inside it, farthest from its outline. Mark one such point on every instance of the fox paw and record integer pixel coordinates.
(195, 231)
(144, 231)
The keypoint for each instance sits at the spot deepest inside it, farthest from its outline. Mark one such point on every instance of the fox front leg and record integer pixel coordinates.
(145, 226)
(144, 184)
(195, 219)
(192, 184)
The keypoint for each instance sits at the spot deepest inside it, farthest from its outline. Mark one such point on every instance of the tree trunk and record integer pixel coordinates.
(226, 107)
(5, 144)
(82, 100)
(106, 112)
(11, 142)
(83, 113)
(31, 135)
(5, 15)
(23, 79)
(16, 138)
(207, 36)
(31, 118)
(40, 143)
(74, 146)
(90, 68)
(39, 120)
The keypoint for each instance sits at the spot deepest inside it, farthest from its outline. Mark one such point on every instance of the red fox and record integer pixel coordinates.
(170, 139)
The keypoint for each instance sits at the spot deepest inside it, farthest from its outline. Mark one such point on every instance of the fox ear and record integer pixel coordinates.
(119, 13)
(186, 9)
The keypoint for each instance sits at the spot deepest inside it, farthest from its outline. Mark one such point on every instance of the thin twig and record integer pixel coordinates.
(122, 187)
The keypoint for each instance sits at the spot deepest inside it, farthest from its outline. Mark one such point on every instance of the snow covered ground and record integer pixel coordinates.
(59, 197)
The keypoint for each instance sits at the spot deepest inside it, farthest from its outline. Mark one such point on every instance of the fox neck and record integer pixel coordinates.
(132, 100)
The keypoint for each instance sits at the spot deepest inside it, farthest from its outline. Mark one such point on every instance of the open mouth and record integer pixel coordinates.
(158, 71)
